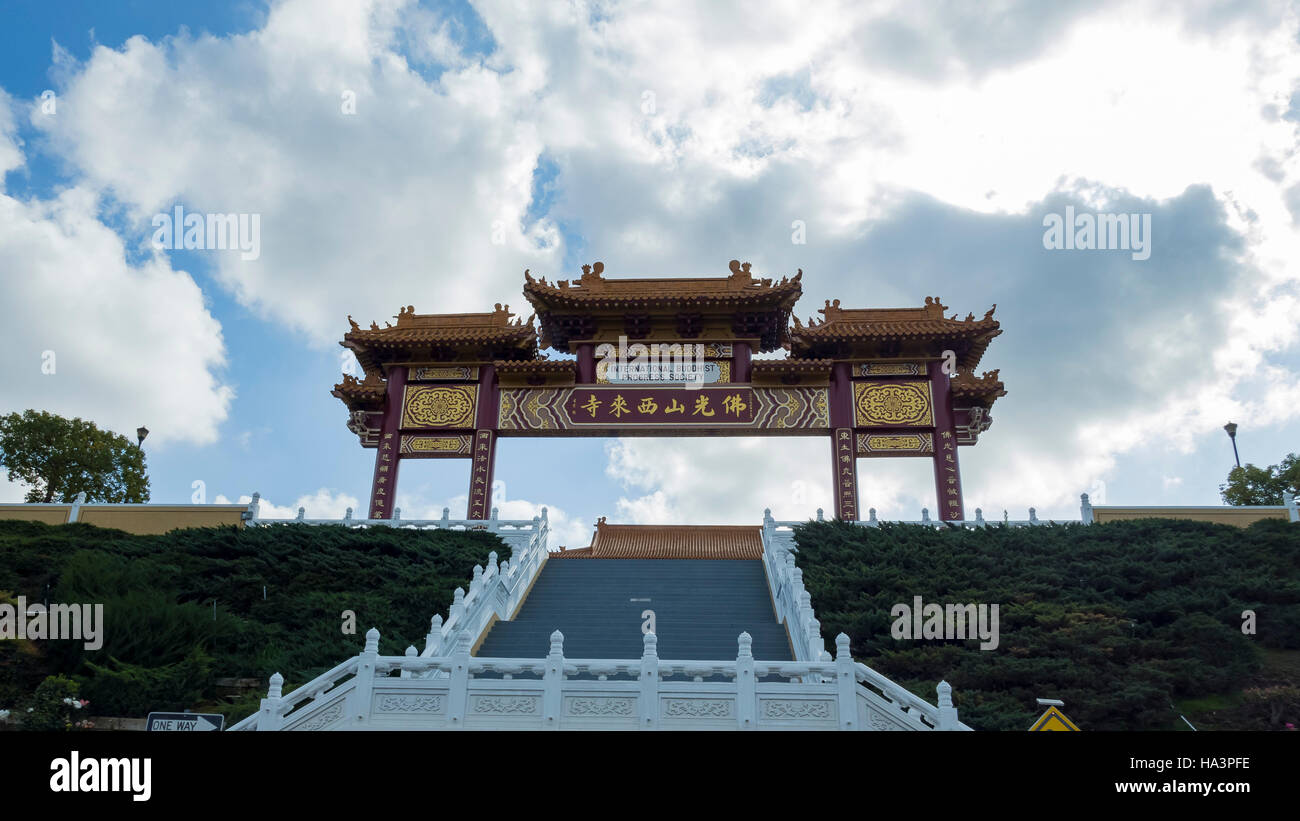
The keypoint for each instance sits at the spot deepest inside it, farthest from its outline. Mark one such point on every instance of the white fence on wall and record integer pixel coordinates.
(1289, 504)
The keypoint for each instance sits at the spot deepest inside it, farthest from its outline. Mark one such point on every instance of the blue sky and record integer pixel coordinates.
(662, 144)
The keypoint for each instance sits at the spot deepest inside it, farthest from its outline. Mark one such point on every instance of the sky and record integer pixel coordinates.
(402, 153)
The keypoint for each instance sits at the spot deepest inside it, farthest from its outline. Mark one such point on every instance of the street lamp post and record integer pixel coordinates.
(1231, 428)
(140, 433)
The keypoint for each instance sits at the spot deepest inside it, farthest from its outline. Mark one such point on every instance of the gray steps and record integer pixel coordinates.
(700, 607)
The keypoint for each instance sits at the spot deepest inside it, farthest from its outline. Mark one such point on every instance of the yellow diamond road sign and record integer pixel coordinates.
(1053, 721)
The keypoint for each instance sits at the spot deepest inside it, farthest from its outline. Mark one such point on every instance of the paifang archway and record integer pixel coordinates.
(872, 381)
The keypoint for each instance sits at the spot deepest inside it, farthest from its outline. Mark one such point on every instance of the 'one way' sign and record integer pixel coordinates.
(184, 722)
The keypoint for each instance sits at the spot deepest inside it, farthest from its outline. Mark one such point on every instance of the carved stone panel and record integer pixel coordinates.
(506, 705)
(401, 703)
(697, 708)
(599, 706)
(321, 719)
(796, 709)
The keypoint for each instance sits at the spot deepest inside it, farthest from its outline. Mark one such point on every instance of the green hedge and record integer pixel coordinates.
(163, 649)
(1119, 620)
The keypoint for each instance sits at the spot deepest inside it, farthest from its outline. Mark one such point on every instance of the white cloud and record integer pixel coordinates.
(11, 492)
(88, 334)
(325, 503)
(565, 529)
(360, 213)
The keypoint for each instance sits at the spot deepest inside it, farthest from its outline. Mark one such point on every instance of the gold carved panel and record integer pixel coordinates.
(440, 373)
(871, 444)
(890, 369)
(439, 406)
(435, 446)
(892, 403)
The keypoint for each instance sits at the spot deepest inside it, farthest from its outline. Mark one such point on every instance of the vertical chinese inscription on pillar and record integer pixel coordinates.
(385, 471)
(846, 475)
(951, 483)
(480, 483)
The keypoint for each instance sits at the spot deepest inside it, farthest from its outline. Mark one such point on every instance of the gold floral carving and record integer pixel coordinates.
(440, 406)
(892, 403)
(890, 369)
(873, 443)
(437, 445)
(443, 372)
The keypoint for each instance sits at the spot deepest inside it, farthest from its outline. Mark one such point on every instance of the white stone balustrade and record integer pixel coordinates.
(555, 692)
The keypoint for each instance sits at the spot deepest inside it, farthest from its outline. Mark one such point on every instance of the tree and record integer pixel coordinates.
(59, 458)
(1252, 485)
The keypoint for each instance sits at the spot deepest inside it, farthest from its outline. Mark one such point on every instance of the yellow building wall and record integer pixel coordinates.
(1239, 516)
(50, 515)
(146, 519)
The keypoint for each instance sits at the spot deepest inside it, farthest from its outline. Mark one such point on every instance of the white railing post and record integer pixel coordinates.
(846, 684)
(434, 639)
(553, 681)
(947, 712)
(75, 511)
(364, 680)
(458, 692)
(268, 717)
(649, 700)
(816, 646)
(1085, 509)
(746, 700)
(411, 653)
(456, 613)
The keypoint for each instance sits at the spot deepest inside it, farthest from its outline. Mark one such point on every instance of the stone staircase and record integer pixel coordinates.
(700, 606)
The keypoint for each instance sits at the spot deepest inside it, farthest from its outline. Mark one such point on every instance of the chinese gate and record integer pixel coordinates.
(880, 382)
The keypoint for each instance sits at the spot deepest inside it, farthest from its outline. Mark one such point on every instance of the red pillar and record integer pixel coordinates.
(844, 460)
(383, 485)
(586, 363)
(485, 446)
(741, 357)
(947, 473)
